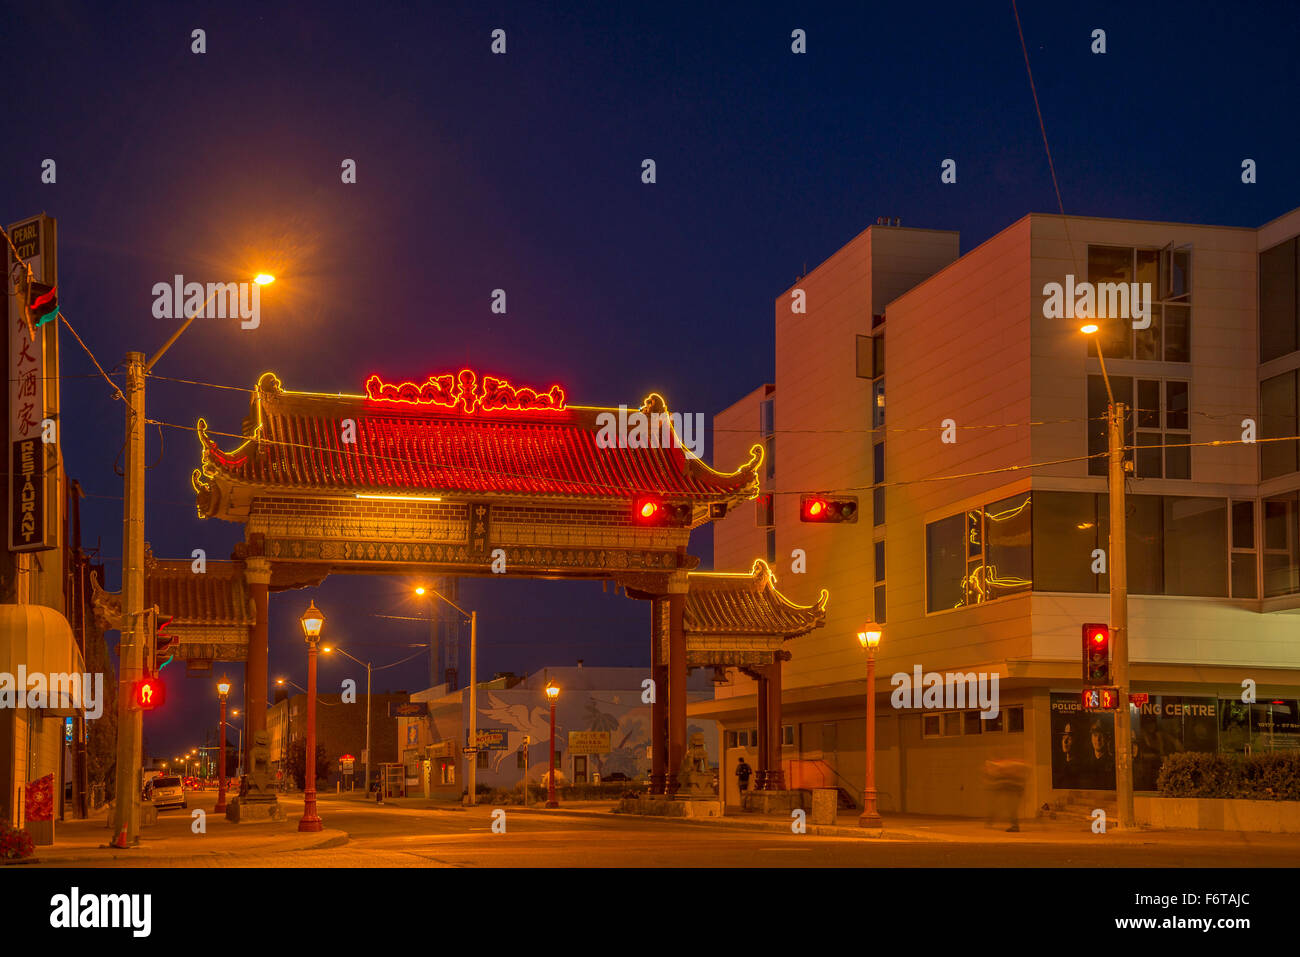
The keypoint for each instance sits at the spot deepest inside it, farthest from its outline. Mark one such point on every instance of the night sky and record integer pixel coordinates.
(523, 172)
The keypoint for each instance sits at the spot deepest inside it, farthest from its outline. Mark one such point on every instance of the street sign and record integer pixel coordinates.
(346, 764)
(589, 742)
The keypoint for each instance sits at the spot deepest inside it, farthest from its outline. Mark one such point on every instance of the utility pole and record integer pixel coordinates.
(473, 704)
(369, 705)
(130, 732)
(1119, 616)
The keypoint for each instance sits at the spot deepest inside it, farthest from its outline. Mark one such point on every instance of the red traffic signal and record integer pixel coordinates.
(820, 509)
(149, 693)
(652, 510)
(1096, 654)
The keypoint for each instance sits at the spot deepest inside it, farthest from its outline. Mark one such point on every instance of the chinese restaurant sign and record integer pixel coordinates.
(33, 397)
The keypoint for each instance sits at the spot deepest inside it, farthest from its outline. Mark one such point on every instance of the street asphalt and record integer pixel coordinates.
(360, 834)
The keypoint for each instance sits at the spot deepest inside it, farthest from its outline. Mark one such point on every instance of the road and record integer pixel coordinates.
(401, 837)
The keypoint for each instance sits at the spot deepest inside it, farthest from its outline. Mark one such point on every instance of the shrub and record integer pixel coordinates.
(1273, 776)
(14, 842)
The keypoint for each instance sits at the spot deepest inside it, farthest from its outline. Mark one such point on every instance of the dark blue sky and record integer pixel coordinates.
(522, 172)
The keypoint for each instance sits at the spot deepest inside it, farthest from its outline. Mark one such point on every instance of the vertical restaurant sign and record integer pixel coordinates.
(33, 464)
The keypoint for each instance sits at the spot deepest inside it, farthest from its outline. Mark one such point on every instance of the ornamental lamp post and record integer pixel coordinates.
(312, 622)
(223, 689)
(869, 638)
(552, 692)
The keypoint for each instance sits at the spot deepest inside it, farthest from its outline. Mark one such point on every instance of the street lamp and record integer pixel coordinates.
(471, 775)
(223, 689)
(312, 622)
(552, 693)
(367, 666)
(869, 638)
(1117, 572)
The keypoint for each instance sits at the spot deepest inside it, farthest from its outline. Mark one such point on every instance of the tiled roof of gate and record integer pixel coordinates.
(740, 604)
(215, 597)
(295, 443)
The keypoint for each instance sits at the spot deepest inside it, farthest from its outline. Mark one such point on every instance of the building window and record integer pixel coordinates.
(1244, 583)
(1277, 407)
(1195, 546)
(482, 760)
(865, 363)
(994, 723)
(1280, 559)
(878, 403)
(878, 479)
(771, 546)
(980, 555)
(931, 726)
(767, 426)
(1168, 272)
(1279, 297)
(970, 722)
(1015, 720)
(787, 736)
(878, 564)
(1068, 520)
(1162, 416)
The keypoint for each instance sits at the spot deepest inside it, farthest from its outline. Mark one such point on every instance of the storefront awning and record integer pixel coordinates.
(37, 640)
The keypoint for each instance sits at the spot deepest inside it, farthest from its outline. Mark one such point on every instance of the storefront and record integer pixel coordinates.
(1083, 742)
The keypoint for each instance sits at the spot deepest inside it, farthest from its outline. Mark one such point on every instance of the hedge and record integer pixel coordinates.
(1272, 776)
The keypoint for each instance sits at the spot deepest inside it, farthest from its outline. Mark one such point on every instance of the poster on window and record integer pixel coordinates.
(1083, 745)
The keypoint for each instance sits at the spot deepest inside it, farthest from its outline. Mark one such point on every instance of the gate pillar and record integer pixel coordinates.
(257, 574)
(677, 671)
(659, 704)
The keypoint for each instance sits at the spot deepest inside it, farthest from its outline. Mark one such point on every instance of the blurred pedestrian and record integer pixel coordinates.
(1005, 780)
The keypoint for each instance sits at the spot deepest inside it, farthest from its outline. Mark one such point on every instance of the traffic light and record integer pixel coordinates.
(164, 642)
(149, 693)
(1096, 654)
(824, 509)
(652, 510)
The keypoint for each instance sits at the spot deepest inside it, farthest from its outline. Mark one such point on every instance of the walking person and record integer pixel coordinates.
(743, 771)
(1005, 780)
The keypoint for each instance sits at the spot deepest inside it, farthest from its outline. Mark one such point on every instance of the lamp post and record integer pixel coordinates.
(367, 666)
(312, 622)
(471, 777)
(870, 817)
(1117, 573)
(133, 637)
(552, 693)
(239, 770)
(223, 689)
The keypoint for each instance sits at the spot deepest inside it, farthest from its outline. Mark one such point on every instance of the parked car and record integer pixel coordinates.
(165, 792)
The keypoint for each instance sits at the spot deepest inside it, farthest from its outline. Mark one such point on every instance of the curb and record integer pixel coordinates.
(334, 838)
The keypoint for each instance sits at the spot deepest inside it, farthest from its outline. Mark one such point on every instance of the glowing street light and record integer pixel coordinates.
(223, 689)
(552, 693)
(312, 623)
(869, 638)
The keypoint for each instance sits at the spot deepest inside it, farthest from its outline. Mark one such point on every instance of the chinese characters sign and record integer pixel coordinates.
(33, 458)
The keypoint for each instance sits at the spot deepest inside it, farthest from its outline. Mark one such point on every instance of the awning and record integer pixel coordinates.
(35, 639)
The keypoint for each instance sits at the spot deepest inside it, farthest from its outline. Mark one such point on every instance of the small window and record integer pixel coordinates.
(878, 357)
(1015, 720)
(483, 760)
(878, 599)
(731, 739)
(879, 567)
(787, 736)
(995, 723)
(931, 727)
(865, 359)
(771, 546)
(971, 723)
(878, 403)
(951, 724)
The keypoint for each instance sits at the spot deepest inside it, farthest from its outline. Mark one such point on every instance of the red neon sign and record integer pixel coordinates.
(464, 392)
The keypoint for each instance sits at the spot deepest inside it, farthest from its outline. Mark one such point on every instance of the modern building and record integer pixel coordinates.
(602, 728)
(979, 543)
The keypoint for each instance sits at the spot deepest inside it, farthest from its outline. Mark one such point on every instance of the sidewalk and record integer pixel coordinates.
(171, 839)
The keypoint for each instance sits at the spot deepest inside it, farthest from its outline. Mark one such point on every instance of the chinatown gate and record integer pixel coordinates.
(468, 476)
